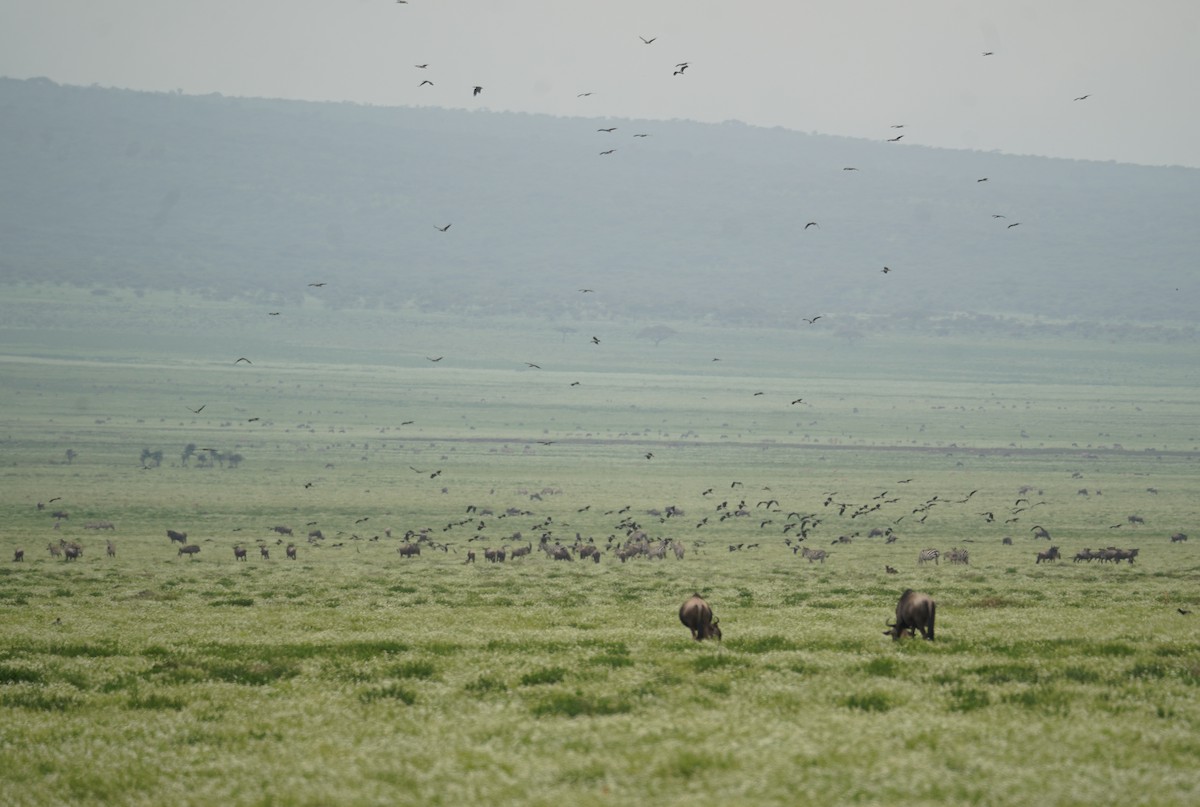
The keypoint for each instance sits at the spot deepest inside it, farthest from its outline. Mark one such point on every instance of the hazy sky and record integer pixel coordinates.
(849, 67)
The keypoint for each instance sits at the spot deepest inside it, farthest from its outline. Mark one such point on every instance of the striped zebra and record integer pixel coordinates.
(928, 555)
(957, 555)
(813, 554)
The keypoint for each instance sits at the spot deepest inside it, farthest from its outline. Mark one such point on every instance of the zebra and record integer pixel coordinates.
(813, 554)
(928, 555)
(957, 555)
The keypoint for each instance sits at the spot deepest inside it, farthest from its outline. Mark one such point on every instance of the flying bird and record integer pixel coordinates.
(647, 41)
(426, 81)
(272, 313)
(197, 411)
(611, 129)
(812, 224)
(610, 151)
(583, 95)
(316, 285)
(885, 270)
(988, 52)
(1082, 97)
(421, 66)
(641, 135)
(534, 366)
(849, 168)
(251, 420)
(477, 90)
(811, 321)
(595, 340)
(649, 455)
(442, 229)
(243, 358)
(998, 216)
(894, 139)
(586, 291)
(983, 179)
(1014, 224)
(798, 400)
(435, 358)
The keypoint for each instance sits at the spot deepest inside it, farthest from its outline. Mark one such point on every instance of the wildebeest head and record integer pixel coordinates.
(697, 616)
(914, 612)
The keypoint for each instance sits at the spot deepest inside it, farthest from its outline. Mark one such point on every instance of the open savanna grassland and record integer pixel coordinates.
(352, 675)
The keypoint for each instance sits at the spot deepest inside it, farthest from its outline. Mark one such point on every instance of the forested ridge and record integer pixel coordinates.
(253, 198)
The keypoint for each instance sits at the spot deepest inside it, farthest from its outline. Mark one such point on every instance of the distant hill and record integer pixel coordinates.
(257, 198)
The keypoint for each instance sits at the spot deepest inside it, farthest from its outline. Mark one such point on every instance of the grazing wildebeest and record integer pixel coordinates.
(470, 557)
(596, 557)
(697, 616)
(927, 555)
(283, 530)
(889, 570)
(19, 556)
(1007, 541)
(111, 549)
(60, 514)
(191, 550)
(99, 525)
(560, 553)
(266, 553)
(181, 537)
(319, 536)
(72, 551)
(1049, 555)
(1136, 520)
(409, 549)
(239, 553)
(914, 612)
(876, 532)
(1177, 537)
(1086, 554)
(291, 551)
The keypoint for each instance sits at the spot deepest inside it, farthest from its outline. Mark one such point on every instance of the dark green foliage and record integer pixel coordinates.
(577, 704)
(968, 699)
(883, 666)
(547, 675)
(388, 692)
(869, 702)
(412, 669)
(11, 674)
(485, 684)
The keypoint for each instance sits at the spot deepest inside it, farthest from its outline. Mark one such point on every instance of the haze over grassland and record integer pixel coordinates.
(254, 199)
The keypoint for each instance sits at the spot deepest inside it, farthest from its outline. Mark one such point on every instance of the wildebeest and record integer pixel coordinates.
(181, 537)
(60, 514)
(266, 553)
(318, 535)
(191, 550)
(283, 530)
(239, 553)
(470, 557)
(1007, 540)
(1136, 520)
(1085, 554)
(697, 616)
(19, 556)
(72, 551)
(55, 549)
(111, 549)
(291, 551)
(1049, 555)
(1177, 537)
(99, 525)
(927, 555)
(914, 612)
(409, 549)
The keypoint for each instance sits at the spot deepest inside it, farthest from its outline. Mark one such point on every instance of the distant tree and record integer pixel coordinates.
(71, 455)
(656, 333)
(188, 451)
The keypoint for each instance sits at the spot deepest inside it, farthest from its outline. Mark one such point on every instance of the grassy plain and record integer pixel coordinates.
(355, 676)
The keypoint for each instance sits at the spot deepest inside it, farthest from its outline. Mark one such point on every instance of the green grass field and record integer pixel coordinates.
(352, 675)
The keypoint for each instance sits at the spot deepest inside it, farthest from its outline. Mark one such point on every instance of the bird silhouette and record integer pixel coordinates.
(595, 340)
(583, 95)
(894, 139)
(442, 229)
(534, 366)
(647, 41)
(586, 291)
(421, 66)
(649, 455)
(885, 270)
(272, 313)
(811, 321)
(983, 179)
(1014, 224)
(610, 129)
(988, 52)
(197, 411)
(798, 400)
(610, 151)
(849, 168)
(316, 285)
(426, 81)
(243, 359)
(435, 358)
(477, 90)
(812, 224)
(1082, 97)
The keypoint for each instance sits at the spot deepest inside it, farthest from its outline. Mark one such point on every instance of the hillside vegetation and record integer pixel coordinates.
(233, 197)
